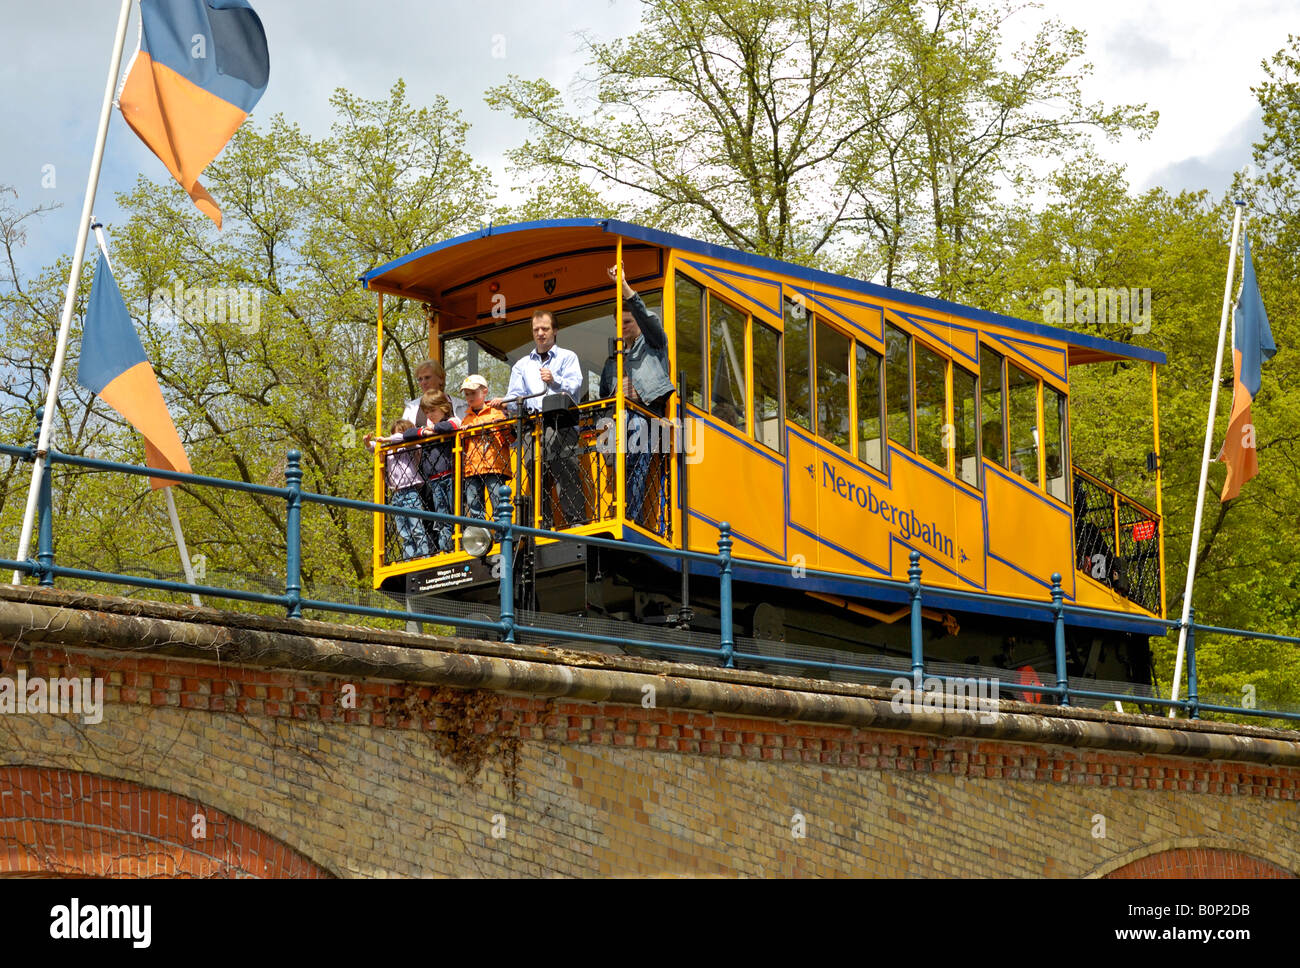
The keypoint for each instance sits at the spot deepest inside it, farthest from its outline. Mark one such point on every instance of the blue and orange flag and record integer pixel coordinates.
(201, 67)
(1252, 345)
(113, 365)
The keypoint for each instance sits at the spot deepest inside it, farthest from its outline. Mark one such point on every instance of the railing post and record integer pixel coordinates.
(45, 516)
(507, 592)
(918, 649)
(1193, 704)
(1058, 617)
(724, 594)
(293, 536)
(1114, 498)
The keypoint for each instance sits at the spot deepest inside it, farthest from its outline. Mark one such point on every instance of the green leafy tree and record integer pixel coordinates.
(974, 121)
(261, 337)
(1093, 232)
(859, 137)
(729, 119)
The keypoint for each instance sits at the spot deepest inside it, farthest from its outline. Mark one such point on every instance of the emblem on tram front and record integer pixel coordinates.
(549, 285)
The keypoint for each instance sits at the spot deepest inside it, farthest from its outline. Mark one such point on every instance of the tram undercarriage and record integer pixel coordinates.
(802, 632)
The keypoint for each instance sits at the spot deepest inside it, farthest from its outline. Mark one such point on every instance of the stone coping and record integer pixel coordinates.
(82, 620)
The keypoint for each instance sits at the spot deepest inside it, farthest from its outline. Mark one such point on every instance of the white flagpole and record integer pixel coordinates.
(171, 501)
(180, 544)
(70, 298)
(1205, 458)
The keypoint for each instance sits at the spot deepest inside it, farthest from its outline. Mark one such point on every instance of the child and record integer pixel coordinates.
(486, 455)
(402, 471)
(437, 464)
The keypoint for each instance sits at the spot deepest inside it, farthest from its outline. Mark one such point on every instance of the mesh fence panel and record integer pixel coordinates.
(1094, 527)
(1127, 560)
(1139, 555)
(560, 466)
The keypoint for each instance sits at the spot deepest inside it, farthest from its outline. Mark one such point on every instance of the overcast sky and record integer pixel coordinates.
(1194, 61)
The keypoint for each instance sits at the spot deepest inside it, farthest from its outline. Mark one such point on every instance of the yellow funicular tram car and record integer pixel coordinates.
(835, 424)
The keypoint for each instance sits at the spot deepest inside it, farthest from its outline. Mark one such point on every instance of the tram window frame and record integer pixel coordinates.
(741, 408)
(940, 455)
(494, 348)
(798, 386)
(696, 393)
(1061, 413)
(846, 426)
(907, 383)
(861, 350)
(986, 439)
(966, 433)
(1030, 381)
(757, 326)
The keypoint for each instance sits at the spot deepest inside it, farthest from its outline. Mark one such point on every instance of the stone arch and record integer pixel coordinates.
(63, 822)
(1193, 858)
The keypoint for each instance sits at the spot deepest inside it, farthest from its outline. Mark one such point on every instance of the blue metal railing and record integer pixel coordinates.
(44, 568)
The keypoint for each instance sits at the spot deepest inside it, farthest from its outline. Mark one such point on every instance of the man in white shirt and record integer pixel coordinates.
(549, 369)
(430, 376)
(546, 369)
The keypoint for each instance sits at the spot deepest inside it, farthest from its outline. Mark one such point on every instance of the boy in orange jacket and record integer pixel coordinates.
(485, 455)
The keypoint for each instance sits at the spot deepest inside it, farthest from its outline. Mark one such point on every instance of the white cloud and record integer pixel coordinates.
(1195, 63)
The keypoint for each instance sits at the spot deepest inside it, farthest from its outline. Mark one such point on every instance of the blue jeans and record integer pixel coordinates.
(437, 493)
(415, 543)
(473, 504)
(639, 431)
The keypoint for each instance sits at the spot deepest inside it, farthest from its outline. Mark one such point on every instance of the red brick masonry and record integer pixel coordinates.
(1201, 862)
(60, 821)
(305, 696)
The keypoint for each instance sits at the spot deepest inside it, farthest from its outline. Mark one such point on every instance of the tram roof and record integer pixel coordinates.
(424, 273)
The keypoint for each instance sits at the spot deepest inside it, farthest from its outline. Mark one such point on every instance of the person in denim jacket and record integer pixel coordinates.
(645, 381)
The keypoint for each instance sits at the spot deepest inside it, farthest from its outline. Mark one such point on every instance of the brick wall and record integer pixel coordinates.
(429, 780)
(1182, 862)
(60, 822)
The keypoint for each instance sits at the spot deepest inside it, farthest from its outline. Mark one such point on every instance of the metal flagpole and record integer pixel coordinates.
(1205, 459)
(180, 543)
(171, 501)
(70, 298)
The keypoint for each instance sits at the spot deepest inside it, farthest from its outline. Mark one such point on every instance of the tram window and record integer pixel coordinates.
(494, 349)
(965, 418)
(1054, 414)
(798, 387)
(1022, 411)
(931, 394)
(868, 377)
(586, 330)
(898, 385)
(832, 385)
(767, 386)
(727, 393)
(994, 439)
(689, 315)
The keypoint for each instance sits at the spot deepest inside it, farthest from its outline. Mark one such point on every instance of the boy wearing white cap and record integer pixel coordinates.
(485, 461)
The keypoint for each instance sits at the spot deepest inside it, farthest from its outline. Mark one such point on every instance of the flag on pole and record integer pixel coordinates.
(1252, 345)
(113, 365)
(201, 67)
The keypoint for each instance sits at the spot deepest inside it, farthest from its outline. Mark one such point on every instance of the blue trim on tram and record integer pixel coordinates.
(768, 264)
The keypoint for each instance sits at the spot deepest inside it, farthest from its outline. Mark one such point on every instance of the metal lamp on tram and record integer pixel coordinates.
(476, 541)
